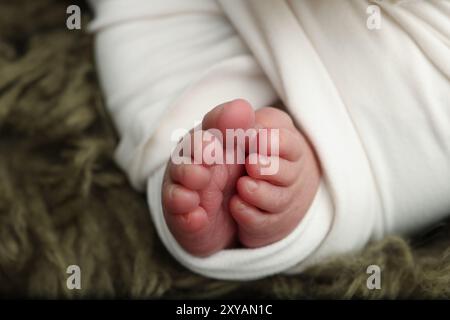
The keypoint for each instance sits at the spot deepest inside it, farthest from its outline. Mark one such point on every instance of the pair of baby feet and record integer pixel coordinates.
(210, 207)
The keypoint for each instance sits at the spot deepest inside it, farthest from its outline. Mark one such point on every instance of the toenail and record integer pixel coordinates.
(172, 190)
(264, 160)
(241, 206)
(251, 185)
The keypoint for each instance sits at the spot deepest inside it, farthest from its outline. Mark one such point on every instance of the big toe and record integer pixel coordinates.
(235, 114)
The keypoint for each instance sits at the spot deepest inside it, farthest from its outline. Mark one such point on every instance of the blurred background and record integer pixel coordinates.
(64, 202)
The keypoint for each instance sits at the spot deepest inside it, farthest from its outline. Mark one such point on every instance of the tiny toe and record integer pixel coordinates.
(272, 169)
(281, 142)
(271, 117)
(234, 114)
(256, 228)
(192, 176)
(246, 215)
(178, 199)
(264, 195)
(200, 147)
(190, 222)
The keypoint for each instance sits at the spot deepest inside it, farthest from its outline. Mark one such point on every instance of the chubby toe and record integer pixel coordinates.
(189, 223)
(192, 176)
(178, 199)
(255, 227)
(264, 195)
(234, 114)
(275, 170)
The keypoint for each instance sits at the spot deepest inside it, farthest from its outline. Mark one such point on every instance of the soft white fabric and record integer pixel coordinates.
(375, 104)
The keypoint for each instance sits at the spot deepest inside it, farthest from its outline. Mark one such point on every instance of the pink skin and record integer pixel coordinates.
(210, 208)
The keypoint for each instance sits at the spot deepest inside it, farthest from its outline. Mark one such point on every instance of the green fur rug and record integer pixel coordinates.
(63, 201)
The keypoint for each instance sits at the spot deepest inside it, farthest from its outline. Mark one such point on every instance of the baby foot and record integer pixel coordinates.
(195, 197)
(267, 207)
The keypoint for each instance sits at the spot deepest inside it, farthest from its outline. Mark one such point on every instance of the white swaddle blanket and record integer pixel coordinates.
(374, 103)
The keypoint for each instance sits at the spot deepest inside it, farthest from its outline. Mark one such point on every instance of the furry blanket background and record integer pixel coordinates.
(63, 201)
